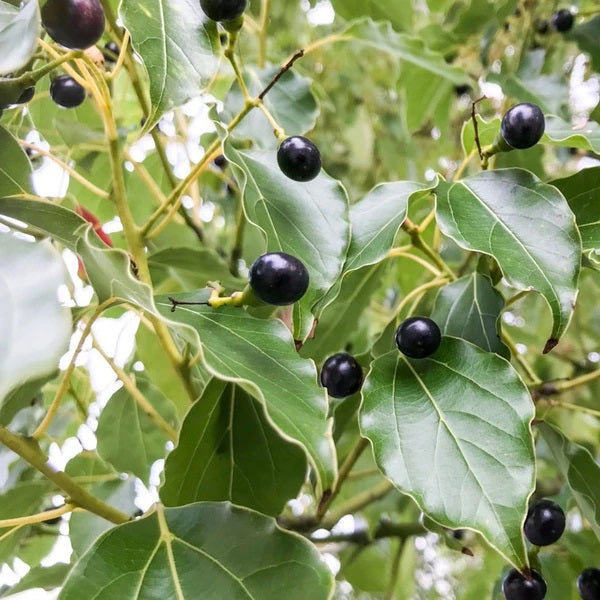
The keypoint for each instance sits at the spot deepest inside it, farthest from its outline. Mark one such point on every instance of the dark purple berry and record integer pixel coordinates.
(588, 584)
(27, 95)
(223, 10)
(342, 375)
(299, 159)
(75, 24)
(523, 125)
(517, 587)
(545, 523)
(563, 20)
(66, 92)
(278, 278)
(418, 337)
(110, 52)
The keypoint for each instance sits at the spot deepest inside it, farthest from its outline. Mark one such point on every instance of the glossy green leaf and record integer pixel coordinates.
(381, 36)
(579, 470)
(397, 12)
(15, 168)
(453, 432)
(19, 29)
(227, 450)
(46, 578)
(32, 315)
(128, 438)
(179, 46)
(582, 191)
(260, 356)
(487, 131)
(526, 225)
(470, 309)
(307, 220)
(203, 551)
(561, 133)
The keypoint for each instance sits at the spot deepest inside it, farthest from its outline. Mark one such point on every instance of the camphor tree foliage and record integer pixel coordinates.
(364, 298)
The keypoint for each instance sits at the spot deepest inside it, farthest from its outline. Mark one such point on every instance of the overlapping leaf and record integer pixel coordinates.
(19, 29)
(453, 431)
(260, 356)
(561, 133)
(469, 309)
(526, 226)
(178, 44)
(15, 168)
(207, 551)
(227, 450)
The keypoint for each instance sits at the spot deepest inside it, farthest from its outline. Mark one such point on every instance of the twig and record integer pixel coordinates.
(476, 125)
(288, 65)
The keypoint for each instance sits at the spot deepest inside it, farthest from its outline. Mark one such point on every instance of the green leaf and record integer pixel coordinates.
(382, 37)
(128, 438)
(307, 220)
(291, 103)
(19, 29)
(469, 309)
(15, 168)
(487, 130)
(579, 470)
(208, 550)
(453, 432)
(46, 578)
(526, 225)
(179, 46)
(260, 356)
(227, 450)
(561, 133)
(32, 316)
(398, 12)
(582, 191)
(587, 36)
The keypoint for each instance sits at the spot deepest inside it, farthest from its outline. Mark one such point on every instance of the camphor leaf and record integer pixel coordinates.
(19, 29)
(453, 432)
(15, 168)
(32, 316)
(227, 450)
(579, 470)
(582, 191)
(260, 356)
(469, 309)
(561, 133)
(307, 220)
(178, 44)
(206, 550)
(526, 225)
(587, 36)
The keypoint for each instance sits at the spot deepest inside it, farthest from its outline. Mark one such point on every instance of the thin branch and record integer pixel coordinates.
(39, 517)
(288, 65)
(476, 125)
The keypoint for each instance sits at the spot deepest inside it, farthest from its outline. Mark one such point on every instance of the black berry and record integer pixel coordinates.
(75, 24)
(542, 26)
(278, 278)
(110, 52)
(27, 95)
(220, 161)
(223, 10)
(66, 92)
(523, 125)
(418, 337)
(299, 159)
(588, 584)
(461, 90)
(545, 523)
(341, 375)
(517, 587)
(563, 20)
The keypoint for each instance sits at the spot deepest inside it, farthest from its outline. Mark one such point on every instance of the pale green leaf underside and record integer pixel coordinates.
(32, 316)
(453, 431)
(561, 133)
(227, 450)
(203, 551)
(260, 355)
(178, 45)
(19, 30)
(579, 470)
(526, 225)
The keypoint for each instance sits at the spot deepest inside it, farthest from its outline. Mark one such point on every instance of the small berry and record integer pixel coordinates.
(517, 587)
(542, 26)
(418, 337)
(66, 92)
(53, 521)
(74, 24)
(110, 52)
(220, 162)
(223, 10)
(341, 375)
(278, 278)
(545, 523)
(563, 20)
(461, 90)
(27, 95)
(588, 584)
(299, 159)
(523, 125)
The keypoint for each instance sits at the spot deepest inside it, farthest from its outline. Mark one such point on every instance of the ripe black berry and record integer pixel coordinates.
(220, 161)
(545, 523)
(523, 125)
(299, 159)
(27, 95)
(110, 52)
(223, 10)
(517, 587)
(278, 278)
(461, 90)
(418, 337)
(563, 20)
(588, 584)
(341, 375)
(75, 24)
(65, 91)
